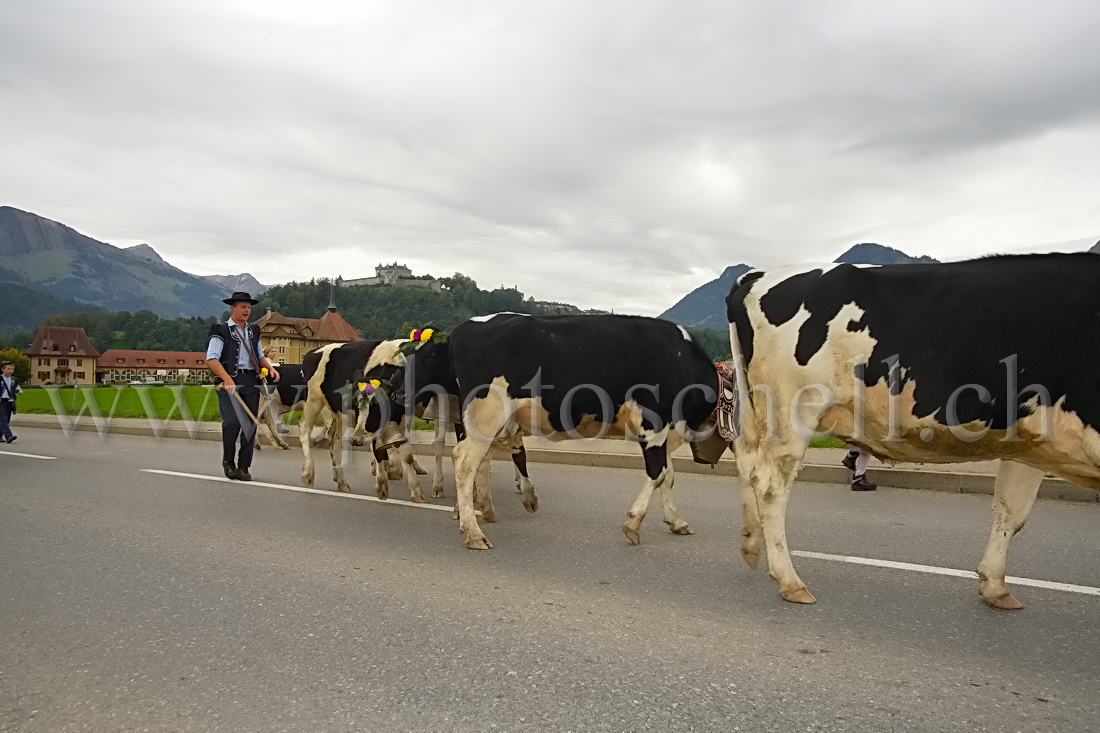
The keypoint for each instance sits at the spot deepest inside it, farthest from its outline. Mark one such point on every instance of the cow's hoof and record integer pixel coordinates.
(681, 529)
(418, 500)
(479, 544)
(801, 595)
(345, 488)
(420, 471)
(532, 506)
(437, 493)
(1006, 602)
(307, 481)
(489, 517)
(752, 559)
(383, 495)
(632, 534)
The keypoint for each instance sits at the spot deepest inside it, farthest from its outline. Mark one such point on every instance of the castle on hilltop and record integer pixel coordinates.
(399, 276)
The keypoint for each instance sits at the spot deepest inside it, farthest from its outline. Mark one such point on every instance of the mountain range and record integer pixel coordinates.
(49, 257)
(705, 307)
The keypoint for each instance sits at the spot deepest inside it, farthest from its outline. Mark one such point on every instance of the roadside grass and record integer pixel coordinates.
(163, 402)
(129, 403)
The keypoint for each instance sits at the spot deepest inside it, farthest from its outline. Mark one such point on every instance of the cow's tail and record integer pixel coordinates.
(744, 403)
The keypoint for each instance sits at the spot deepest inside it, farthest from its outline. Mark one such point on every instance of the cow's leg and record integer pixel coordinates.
(676, 523)
(405, 453)
(381, 475)
(523, 482)
(656, 471)
(770, 468)
(395, 469)
(439, 443)
(486, 418)
(483, 492)
(313, 405)
(752, 530)
(1013, 497)
(336, 452)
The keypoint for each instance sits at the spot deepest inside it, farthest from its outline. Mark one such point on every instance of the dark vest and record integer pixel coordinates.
(231, 344)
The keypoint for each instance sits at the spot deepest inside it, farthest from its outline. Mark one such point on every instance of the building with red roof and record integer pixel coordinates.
(62, 355)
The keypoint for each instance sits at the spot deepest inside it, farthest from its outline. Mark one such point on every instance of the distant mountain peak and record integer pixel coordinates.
(235, 283)
(870, 253)
(705, 306)
(145, 252)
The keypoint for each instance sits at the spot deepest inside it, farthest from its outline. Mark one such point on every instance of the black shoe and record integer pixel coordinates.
(849, 461)
(243, 474)
(862, 483)
(230, 470)
(11, 438)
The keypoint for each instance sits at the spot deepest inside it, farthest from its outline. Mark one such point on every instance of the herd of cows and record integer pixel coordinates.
(995, 358)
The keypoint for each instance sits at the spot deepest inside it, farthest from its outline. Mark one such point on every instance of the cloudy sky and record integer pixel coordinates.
(612, 154)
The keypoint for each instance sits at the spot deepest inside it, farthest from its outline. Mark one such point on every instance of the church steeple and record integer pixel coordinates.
(332, 299)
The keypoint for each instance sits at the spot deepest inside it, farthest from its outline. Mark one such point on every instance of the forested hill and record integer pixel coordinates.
(382, 311)
(377, 311)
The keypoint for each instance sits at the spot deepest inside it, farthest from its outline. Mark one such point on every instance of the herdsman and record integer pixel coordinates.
(240, 370)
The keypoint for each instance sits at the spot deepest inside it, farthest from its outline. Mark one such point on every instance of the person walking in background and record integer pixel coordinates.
(271, 352)
(856, 461)
(234, 355)
(9, 388)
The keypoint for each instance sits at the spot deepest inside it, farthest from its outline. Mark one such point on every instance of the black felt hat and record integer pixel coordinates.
(240, 296)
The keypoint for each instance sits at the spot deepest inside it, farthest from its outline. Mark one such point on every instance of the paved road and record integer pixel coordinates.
(138, 601)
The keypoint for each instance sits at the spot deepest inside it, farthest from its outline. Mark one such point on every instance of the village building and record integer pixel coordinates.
(294, 337)
(61, 355)
(135, 365)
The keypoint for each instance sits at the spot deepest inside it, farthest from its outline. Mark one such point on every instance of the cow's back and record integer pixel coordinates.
(964, 340)
(616, 355)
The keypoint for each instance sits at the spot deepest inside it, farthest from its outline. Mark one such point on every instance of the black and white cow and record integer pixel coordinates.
(328, 372)
(575, 377)
(989, 358)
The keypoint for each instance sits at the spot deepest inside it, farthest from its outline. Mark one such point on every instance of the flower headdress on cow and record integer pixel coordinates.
(420, 336)
(361, 391)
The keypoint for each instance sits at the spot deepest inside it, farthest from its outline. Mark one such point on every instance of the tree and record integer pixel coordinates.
(20, 360)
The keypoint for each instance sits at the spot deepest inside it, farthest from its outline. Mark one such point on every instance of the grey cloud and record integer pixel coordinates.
(615, 155)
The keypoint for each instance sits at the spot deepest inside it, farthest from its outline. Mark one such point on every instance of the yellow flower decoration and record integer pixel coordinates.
(426, 334)
(361, 386)
(263, 372)
(375, 383)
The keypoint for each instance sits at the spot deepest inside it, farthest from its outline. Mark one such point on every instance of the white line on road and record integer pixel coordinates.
(912, 567)
(301, 489)
(969, 574)
(27, 455)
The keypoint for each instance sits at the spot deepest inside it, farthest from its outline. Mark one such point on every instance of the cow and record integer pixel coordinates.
(577, 377)
(994, 358)
(332, 373)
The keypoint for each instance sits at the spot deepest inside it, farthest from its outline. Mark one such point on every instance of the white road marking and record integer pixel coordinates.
(27, 455)
(911, 567)
(968, 574)
(302, 490)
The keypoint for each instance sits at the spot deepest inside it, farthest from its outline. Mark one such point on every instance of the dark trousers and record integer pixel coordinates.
(236, 424)
(7, 407)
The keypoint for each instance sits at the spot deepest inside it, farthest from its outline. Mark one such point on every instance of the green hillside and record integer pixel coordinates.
(58, 260)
